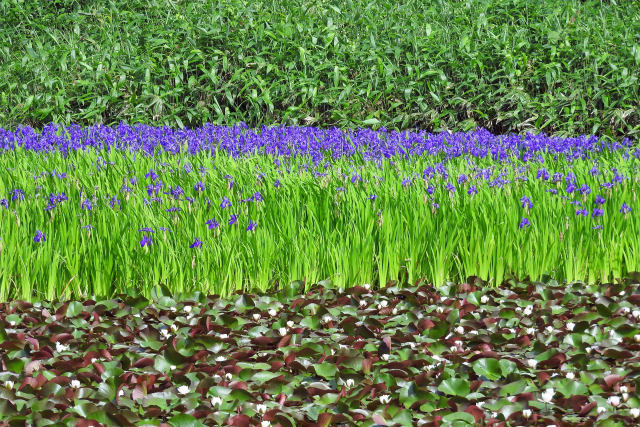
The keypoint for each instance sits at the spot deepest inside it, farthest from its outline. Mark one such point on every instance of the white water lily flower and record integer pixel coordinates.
(440, 309)
(187, 308)
(272, 312)
(473, 332)
(94, 360)
(362, 303)
(75, 384)
(367, 286)
(350, 382)
(12, 322)
(174, 327)
(549, 329)
(172, 367)
(528, 310)
(326, 318)
(484, 299)
(526, 413)
(480, 404)
(183, 389)
(601, 409)
(228, 376)
(282, 331)
(636, 337)
(261, 408)
(412, 345)
(613, 401)
(223, 336)
(530, 331)
(61, 347)
(290, 323)
(460, 330)
(453, 349)
(394, 311)
(625, 396)
(547, 395)
(9, 384)
(121, 393)
(383, 303)
(635, 313)
(625, 310)
(623, 389)
(256, 316)
(385, 399)
(265, 423)
(571, 375)
(173, 309)
(385, 357)
(215, 400)
(220, 359)
(532, 363)
(635, 412)
(570, 326)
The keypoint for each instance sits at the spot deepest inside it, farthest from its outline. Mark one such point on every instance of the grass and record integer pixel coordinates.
(346, 214)
(564, 68)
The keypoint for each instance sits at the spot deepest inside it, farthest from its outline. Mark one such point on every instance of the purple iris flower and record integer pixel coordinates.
(542, 174)
(152, 174)
(199, 186)
(233, 219)
(86, 204)
(197, 243)
(40, 237)
(524, 223)
(597, 212)
(599, 200)
(625, 209)
(276, 183)
(472, 190)
(4, 203)
(525, 202)
(212, 223)
(252, 226)
(146, 241)
(225, 202)
(582, 212)
(17, 194)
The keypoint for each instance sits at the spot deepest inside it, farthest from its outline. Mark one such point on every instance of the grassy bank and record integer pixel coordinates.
(109, 210)
(565, 68)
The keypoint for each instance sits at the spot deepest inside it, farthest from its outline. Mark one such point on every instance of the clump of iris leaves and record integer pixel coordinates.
(522, 353)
